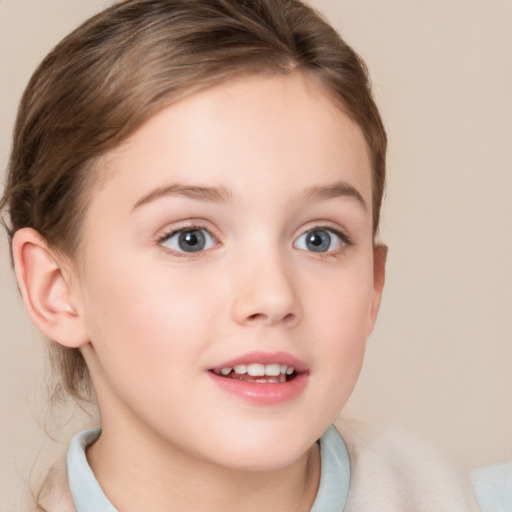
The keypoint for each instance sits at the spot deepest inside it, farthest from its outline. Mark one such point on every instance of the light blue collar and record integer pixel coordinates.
(85, 489)
(335, 473)
(331, 497)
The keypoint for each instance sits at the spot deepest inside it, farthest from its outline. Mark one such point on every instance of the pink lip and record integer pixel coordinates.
(263, 393)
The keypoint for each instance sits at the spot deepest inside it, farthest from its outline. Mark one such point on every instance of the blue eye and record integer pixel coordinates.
(189, 240)
(319, 240)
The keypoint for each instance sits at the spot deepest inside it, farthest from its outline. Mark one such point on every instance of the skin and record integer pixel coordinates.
(152, 320)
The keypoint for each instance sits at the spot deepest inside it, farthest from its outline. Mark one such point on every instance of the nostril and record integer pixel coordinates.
(268, 319)
(257, 317)
(289, 318)
(252, 308)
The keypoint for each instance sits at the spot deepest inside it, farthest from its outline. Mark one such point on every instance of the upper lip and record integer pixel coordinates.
(283, 358)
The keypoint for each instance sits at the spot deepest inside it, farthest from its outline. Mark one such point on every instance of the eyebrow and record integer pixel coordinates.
(211, 194)
(222, 195)
(334, 190)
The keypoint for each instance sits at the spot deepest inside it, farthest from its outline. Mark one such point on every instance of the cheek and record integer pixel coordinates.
(146, 340)
(342, 316)
(151, 320)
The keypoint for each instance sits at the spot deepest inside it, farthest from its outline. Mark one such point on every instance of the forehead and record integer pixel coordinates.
(242, 133)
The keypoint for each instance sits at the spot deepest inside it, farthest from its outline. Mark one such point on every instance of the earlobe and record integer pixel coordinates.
(46, 289)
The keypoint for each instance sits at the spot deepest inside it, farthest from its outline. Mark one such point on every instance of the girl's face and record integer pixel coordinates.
(231, 237)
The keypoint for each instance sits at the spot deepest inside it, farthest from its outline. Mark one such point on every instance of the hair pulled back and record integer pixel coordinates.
(128, 62)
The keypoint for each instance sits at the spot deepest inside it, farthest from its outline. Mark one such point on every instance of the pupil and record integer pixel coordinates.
(319, 241)
(192, 241)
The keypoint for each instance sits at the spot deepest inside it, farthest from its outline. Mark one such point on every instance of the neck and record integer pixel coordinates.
(139, 471)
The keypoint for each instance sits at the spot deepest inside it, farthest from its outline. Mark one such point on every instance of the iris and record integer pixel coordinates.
(192, 241)
(318, 240)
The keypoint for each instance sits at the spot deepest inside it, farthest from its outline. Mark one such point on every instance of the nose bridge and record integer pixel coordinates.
(265, 288)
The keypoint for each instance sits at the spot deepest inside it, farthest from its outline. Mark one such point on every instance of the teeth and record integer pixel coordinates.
(259, 370)
(272, 380)
(272, 370)
(256, 370)
(240, 368)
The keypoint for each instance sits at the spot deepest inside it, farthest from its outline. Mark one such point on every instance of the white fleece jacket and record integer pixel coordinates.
(391, 471)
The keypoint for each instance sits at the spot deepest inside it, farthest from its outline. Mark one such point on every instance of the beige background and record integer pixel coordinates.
(440, 359)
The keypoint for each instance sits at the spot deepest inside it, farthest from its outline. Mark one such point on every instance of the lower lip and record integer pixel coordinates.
(264, 393)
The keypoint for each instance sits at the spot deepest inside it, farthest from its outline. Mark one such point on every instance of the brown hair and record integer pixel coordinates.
(126, 63)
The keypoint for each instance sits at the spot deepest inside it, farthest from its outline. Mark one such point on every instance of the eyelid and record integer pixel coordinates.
(183, 226)
(344, 238)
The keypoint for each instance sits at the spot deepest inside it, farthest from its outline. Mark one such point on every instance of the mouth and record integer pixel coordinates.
(273, 373)
(262, 378)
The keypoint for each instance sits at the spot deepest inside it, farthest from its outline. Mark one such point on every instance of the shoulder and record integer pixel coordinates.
(493, 487)
(401, 473)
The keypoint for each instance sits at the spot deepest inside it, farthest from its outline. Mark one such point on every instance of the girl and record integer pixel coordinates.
(193, 196)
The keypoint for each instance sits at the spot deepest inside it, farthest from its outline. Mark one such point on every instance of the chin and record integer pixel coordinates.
(263, 450)
(262, 460)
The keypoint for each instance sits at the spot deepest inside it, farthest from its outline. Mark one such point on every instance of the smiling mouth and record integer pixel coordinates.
(260, 373)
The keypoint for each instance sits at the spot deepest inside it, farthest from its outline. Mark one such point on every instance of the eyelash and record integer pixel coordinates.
(345, 240)
(176, 230)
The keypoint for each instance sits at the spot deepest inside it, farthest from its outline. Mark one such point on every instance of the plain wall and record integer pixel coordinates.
(439, 360)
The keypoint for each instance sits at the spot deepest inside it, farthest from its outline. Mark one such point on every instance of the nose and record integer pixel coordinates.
(266, 292)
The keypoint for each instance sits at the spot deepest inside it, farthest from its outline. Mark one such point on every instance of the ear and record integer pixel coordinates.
(45, 284)
(380, 254)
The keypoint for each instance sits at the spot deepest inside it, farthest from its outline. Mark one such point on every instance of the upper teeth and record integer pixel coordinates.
(259, 370)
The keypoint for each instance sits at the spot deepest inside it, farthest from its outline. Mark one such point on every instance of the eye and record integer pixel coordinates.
(321, 240)
(189, 240)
